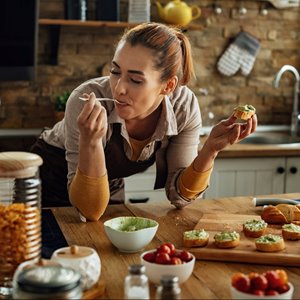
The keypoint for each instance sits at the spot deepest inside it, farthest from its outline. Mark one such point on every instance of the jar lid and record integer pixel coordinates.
(18, 164)
(48, 279)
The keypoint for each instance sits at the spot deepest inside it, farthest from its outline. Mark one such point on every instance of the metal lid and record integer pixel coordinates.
(136, 269)
(48, 279)
(18, 164)
(169, 280)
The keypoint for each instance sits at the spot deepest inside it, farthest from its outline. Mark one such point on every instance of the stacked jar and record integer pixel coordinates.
(20, 217)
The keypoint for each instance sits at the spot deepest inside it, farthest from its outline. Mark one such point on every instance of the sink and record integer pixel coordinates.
(270, 138)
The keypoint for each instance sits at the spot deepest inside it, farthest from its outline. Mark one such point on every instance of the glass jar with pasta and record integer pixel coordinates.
(20, 217)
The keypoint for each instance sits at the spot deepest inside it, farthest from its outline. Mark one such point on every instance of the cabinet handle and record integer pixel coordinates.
(280, 170)
(293, 170)
(139, 200)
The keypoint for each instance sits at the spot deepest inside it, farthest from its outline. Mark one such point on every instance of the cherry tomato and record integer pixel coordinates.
(258, 292)
(164, 249)
(283, 288)
(259, 282)
(185, 256)
(150, 257)
(283, 276)
(273, 279)
(172, 248)
(271, 293)
(175, 260)
(241, 282)
(162, 258)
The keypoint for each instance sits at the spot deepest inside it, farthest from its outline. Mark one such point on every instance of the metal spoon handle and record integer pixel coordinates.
(99, 99)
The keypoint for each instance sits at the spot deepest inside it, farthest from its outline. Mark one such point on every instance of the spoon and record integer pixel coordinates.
(102, 99)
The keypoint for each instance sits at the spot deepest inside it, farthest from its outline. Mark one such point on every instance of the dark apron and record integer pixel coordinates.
(54, 170)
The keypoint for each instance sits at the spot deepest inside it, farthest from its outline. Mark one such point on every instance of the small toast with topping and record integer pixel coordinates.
(254, 228)
(270, 243)
(227, 239)
(291, 232)
(244, 112)
(195, 238)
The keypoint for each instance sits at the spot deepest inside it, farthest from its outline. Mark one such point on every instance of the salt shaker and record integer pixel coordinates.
(20, 217)
(169, 288)
(136, 285)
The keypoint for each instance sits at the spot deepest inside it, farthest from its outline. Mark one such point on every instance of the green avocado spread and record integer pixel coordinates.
(195, 234)
(226, 236)
(245, 108)
(291, 227)
(268, 238)
(255, 225)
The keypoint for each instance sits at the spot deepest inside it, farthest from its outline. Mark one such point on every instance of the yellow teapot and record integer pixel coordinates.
(177, 12)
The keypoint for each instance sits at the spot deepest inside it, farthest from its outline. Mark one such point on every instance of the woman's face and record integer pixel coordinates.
(135, 82)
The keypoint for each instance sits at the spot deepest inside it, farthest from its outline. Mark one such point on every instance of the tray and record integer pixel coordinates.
(246, 252)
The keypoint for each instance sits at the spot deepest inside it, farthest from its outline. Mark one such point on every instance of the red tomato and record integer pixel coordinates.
(241, 282)
(172, 248)
(271, 293)
(273, 279)
(175, 260)
(164, 249)
(185, 256)
(150, 257)
(283, 288)
(258, 292)
(259, 282)
(162, 258)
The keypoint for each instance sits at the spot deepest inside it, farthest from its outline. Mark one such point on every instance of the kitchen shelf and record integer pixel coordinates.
(55, 25)
(89, 23)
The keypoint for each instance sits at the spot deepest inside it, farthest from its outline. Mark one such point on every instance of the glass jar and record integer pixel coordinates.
(20, 218)
(169, 288)
(136, 285)
(47, 282)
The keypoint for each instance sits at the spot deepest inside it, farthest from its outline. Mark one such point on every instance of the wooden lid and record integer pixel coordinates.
(19, 164)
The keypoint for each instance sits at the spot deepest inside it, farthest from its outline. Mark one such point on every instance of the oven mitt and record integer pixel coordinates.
(240, 54)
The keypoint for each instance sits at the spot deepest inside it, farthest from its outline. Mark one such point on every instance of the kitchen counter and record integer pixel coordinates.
(210, 279)
(19, 132)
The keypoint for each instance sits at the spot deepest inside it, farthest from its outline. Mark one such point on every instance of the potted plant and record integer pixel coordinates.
(60, 105)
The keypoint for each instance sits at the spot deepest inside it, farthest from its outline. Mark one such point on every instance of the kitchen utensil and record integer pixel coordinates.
(284, 3)
(273, 201)
(102, 99)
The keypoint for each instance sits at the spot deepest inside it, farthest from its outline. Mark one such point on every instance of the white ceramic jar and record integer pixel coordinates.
(85, 260)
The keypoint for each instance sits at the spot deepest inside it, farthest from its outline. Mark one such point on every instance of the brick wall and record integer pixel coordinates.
(83, 50)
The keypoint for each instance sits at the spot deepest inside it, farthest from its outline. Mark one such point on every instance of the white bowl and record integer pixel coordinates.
(236, 294)
(155, 271)
(130, 234)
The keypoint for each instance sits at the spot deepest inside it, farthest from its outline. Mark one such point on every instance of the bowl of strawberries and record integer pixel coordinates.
(167, 260)
(272, 284)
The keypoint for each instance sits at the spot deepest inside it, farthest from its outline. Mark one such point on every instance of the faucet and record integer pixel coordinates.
(295, 113)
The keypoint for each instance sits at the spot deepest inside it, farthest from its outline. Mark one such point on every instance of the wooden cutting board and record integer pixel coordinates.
(246, 251)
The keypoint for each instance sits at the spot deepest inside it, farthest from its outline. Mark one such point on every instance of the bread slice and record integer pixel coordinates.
(291, 232)
(272, 215)
(195, 238)
(270, 243)
(227, 239)
(287, 210)
(254, 228)
(244, 112)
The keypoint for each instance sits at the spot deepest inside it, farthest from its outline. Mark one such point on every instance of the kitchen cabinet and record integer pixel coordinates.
(139, 187)
(254, 176)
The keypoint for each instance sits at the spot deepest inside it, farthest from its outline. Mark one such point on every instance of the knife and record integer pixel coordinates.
(273, 201)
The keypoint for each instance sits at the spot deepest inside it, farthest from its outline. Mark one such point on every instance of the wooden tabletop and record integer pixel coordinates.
(210, 279)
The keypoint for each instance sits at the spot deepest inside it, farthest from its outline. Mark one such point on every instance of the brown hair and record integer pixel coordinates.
(172, 49)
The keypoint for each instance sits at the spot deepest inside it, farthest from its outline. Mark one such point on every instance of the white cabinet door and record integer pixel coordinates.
(246, 176)
(140, 187)
(292, 175)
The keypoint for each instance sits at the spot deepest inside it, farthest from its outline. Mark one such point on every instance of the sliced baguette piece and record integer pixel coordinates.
(272, 215)
(227, 239)
(291, 232)
(244, 112)
(254, 228)
(195, 238)
(287, 210)
(270, 243)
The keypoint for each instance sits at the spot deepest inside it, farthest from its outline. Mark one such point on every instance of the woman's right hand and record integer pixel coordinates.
(92, 121)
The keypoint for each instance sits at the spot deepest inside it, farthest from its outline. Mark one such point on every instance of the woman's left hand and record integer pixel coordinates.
(227, 132)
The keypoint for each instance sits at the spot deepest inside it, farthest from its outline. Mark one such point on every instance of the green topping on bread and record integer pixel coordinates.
(226, 236)
(268, 239)
(255, 225)
(291, 227)
(195, 234)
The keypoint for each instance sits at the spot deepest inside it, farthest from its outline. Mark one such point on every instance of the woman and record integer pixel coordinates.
(158, 120)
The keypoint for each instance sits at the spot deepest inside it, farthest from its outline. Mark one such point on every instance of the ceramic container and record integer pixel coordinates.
(85, 260)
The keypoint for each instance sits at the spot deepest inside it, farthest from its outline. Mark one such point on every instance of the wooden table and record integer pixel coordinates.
(210, 279)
